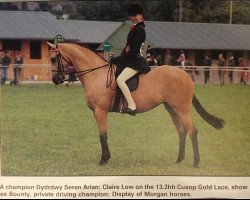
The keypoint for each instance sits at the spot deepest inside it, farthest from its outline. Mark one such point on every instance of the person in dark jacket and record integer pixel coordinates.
(221, 71)
(17, 68)
(5, 61)
(131, 60)
(72, 74)
(207, 63)
(231, 64)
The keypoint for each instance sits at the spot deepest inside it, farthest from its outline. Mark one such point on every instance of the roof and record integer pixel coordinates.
(182, 35)
(29, 25)
(167, 35)
(198, 35)
(44, 26)
(89, 31)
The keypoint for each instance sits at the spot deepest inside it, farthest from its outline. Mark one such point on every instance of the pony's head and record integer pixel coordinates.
(58, 64)
(82, 59)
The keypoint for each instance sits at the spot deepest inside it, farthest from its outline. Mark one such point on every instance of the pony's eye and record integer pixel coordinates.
(53, 60)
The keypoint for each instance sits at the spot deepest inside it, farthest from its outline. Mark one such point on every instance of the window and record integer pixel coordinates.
(35, 50)
(11, 45)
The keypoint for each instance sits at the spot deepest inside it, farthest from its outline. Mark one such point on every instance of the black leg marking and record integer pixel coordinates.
(182, 144)
(105, 149)
(196, 150)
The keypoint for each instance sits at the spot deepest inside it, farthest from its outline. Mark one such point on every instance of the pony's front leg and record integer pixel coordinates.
(101, 118)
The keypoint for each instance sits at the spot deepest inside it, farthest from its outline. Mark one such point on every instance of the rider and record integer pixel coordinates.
(131, 59)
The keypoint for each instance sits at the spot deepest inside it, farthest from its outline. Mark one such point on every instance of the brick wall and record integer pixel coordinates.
(38, 68)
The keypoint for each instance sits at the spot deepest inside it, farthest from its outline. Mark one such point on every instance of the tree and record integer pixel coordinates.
(44, 6)
(216, 11)
(241, 12)
(206, 11)
(100, 10)
(203, 11)
(8, 6)
(161, 10)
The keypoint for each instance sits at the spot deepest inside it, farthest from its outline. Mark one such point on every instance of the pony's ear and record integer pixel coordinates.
(51, 45)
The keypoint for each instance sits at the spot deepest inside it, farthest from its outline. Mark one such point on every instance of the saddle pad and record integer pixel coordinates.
(132, 83)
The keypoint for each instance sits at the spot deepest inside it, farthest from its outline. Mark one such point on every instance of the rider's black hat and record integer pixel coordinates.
(134, 9)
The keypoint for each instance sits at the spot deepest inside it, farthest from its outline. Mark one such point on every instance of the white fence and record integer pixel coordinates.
(35, 72)
(42, 72)
(214, 73)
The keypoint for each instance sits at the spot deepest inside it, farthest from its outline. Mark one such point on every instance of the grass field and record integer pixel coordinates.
(48, 130)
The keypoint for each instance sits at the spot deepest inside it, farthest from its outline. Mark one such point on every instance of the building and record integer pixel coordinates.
(28, 31)
(193, 38)
(196, 39)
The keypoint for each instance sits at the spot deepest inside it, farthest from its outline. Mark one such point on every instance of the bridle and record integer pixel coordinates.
(61, 73)
(59, 77)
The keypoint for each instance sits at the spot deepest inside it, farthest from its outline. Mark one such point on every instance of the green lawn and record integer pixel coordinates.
(47, 130)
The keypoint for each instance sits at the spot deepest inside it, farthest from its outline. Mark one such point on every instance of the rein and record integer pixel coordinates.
(62, 72)
(82, 73)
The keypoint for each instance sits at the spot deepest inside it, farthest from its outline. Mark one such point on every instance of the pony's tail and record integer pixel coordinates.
(211, 119)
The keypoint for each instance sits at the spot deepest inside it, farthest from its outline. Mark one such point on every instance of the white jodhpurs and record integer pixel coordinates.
(126, 74)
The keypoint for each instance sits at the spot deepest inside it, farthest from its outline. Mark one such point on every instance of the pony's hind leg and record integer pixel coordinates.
(101, 118)
(182, 133)
(192, 132)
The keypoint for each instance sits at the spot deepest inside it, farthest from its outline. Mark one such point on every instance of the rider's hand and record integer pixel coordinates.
(112, 60)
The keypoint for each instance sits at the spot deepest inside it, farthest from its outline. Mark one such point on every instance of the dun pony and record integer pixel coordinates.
(162, 85)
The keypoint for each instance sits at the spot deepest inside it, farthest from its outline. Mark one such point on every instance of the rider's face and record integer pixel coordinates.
(136, 18)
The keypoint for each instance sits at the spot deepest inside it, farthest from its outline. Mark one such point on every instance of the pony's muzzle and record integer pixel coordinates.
(58, 78)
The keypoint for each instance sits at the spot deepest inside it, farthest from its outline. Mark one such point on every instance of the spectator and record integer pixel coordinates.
(168, 59)
(221, 70)
(160, 60)
(191, 70)
(182, 59)
(17, 68)
(231, 63)
(208, 63)
(151, 60)
(243, 76)
(150, 56)
(149, 51)
(1, 64)
(72, 75)
(6, 61)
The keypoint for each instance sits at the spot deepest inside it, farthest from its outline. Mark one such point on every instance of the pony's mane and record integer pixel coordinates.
(81, 48)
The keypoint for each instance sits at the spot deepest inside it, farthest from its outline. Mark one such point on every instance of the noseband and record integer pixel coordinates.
(61, 73)
(59, 77)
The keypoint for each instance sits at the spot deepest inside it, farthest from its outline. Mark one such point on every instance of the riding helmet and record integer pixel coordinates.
(134, 9)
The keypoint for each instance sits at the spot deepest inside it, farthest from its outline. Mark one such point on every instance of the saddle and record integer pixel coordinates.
(120, 101)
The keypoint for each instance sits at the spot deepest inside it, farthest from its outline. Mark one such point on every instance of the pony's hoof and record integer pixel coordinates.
(129, 111)
(102, 162)
(179, 160)
(196, 165)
